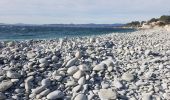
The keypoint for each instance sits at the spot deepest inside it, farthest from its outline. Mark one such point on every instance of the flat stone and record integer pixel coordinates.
(128, 77)
(146, 96)
(84, 67)
(38, 89)
(76, 88)
(71, 62)
(70, 83)
(46, 82)
(78, 54)
(117, 84)
(4, 85)
(58, 78)
(110, 68)
(99, 67)
(54, 58)
(31, 55)
(43, 65)
(43, 94)
(78, 74)
(82, 81)
(55, 95)
(105, 85)
(72, 70)
(13, 75)
(81, 97)
(14, 80)
(43, 60)
(107, 94)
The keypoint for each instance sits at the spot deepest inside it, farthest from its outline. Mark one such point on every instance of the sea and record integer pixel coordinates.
(12, 32)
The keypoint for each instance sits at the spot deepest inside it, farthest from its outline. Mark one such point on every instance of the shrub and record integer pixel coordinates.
(165, 19)
(153, 20)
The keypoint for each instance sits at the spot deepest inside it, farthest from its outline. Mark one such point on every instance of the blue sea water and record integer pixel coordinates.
(42, 32)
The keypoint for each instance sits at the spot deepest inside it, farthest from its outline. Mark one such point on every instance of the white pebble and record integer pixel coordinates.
(78, 74)
(71, 62)
(82, 81)
(55, 95)
(72, 70)
(80, 97)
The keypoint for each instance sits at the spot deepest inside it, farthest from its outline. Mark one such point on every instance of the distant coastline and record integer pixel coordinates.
(66, 25)
(163, 22)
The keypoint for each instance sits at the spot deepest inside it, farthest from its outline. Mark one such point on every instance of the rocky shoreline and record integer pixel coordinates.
(127, 66)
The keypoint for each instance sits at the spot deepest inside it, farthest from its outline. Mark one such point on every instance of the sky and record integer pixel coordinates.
(80, 11)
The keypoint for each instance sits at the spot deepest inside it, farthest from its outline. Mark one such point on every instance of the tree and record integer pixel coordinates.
(153, 20)
(165, 19)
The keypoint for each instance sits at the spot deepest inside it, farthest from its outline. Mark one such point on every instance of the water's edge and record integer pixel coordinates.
(37, 33)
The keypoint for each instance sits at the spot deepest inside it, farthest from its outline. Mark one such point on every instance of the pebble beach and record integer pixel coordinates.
(122, 66)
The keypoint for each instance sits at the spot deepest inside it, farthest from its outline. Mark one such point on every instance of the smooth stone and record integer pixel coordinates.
(14, 80)
(81, 97)
(164, 85)
(82, 81)
(71, 62)
(4, 85)
(43, 94)
(2, 96)
(43, 60)
(87, 77)
(38, 89)
(84, 67)
(110, 68)
(43, 65)
(72, 70)
(117, 84)
(55, 95)
(78, 54)
(31, 55)
(76, 88)
(78, 74)
(54, 58)
(19, 91)
(105, 86)
(128, 77)
(28, 83)
(46, 82)
(15, 97)
(166, 96)
(99, 67)
(161, 66)
(146, 96)
(107, 94)
(13, 75)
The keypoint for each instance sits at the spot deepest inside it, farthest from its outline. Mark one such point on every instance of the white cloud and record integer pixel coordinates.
(80, 11)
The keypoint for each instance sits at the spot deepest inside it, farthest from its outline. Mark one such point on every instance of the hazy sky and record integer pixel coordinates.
(80, 11)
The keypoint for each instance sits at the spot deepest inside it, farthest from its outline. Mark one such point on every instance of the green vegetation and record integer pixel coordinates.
(153, 20)
(165, 19)
(162, 21)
